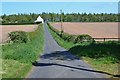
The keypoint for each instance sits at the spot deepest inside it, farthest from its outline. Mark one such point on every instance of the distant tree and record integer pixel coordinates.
(55, 17)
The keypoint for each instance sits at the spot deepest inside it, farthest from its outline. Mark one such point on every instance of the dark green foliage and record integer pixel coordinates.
(70, 38)
(84, 38)
(23, 23)
(19, 18)
(106, 50)
(19, 37)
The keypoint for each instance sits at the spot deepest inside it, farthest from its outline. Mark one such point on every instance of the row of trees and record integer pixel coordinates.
(55, 17)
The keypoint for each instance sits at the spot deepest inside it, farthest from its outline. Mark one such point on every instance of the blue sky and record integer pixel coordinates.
(67, 7)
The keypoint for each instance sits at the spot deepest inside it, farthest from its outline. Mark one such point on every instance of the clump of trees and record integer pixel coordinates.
(55, 17)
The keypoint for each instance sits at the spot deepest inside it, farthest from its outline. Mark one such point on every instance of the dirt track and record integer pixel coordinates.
(96, 29)
(5, 29)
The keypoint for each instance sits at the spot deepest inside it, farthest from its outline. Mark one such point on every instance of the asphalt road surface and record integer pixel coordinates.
(57, 62)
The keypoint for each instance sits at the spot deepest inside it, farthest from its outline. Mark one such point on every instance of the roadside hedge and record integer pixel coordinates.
(83, 38)
(16, 23)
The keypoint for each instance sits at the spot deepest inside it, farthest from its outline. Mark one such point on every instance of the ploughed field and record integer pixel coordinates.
(94, 29)
(5, 29)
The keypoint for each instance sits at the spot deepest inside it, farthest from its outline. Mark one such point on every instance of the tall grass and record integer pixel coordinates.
(19, 56)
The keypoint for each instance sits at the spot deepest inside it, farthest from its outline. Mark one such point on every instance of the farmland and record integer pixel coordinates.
(5, 29)
(22, 54)
(94, 29)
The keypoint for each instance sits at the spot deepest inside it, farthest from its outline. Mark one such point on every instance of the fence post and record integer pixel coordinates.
(104, 39)
(93, 39)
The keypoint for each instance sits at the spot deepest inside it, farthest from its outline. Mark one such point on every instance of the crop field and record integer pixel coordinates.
(5, 29)
(94, 29)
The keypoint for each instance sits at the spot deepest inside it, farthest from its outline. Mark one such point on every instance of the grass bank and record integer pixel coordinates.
(101, 56)
(17, 58)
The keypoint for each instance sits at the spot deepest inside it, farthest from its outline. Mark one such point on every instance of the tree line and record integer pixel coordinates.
(56, 17)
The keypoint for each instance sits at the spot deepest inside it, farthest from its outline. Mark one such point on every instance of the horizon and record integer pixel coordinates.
(56, 13)
(10, 8)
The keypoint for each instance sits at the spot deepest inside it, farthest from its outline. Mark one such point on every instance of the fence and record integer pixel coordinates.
(106, 39)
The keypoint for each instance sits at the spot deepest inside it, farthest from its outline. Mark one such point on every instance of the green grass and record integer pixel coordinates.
(101, 56)
(0, 66)
(18, 57)
(60, 41)
(16, 70)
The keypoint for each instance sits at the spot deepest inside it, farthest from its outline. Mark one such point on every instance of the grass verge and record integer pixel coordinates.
(17, 58)
(101, 56)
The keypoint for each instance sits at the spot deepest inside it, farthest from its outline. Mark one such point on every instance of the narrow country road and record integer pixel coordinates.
(56, 62)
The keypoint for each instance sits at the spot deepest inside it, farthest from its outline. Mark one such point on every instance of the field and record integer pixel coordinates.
(22, 54)
(96, 29)
(5, 29)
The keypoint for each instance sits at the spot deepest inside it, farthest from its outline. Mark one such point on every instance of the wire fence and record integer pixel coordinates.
(106, 39)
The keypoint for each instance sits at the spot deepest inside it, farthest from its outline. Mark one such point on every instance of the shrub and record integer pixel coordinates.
(64, 36)
(84, 38)
(71, 38)
(19, 37)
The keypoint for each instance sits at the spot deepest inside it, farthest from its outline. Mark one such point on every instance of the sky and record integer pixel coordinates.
(60, 0)
(67, 7)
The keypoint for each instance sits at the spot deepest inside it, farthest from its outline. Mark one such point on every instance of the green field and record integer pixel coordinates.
(103, 56)
(17, 58)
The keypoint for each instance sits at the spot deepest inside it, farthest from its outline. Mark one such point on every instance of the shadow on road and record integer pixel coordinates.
(59, 55)
(51, 64)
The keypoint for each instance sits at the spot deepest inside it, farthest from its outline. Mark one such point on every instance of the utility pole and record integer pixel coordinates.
(61, 22)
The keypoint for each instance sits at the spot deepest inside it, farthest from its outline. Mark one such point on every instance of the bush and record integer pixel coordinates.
(25, 52)
(84, 38)
(71, 38)
(19, 37)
